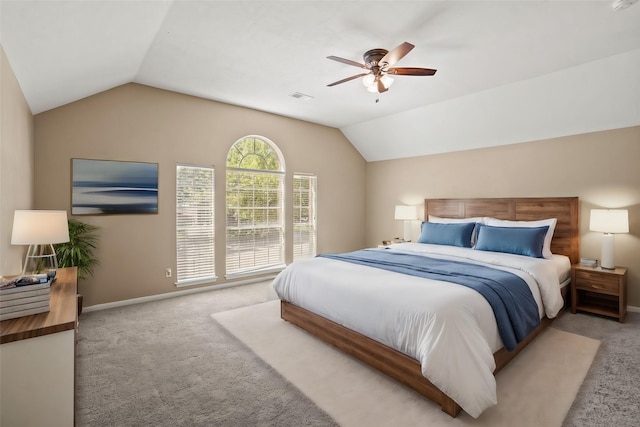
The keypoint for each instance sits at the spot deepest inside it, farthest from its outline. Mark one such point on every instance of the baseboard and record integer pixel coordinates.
(158, 297)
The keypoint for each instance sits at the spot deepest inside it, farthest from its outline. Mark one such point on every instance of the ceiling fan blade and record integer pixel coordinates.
(396, 54)
(409, 71)
(347, 61)
(381, 87)
(347, 79)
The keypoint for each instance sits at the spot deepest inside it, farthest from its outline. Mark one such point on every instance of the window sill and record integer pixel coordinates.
(266, 270)
(197, 281)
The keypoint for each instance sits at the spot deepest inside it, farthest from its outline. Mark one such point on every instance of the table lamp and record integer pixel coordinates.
(406, 214)
(40, 229)
(609, 222)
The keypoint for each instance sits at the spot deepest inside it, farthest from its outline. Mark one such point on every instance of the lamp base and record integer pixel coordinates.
(608, 251)
(407, 230)
(41, 259)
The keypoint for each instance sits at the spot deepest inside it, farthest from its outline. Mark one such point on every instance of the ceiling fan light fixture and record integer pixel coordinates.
(369, 80)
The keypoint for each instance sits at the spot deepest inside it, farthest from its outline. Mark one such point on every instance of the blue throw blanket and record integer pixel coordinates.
(510, 298)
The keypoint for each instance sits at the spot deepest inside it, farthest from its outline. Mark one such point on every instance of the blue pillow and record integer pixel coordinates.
(451, 234)
(527, 241)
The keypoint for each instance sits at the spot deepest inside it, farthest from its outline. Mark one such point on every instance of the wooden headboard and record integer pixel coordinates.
(566, 237)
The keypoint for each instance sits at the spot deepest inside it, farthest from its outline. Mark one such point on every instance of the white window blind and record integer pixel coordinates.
(304, 216)
(255, 221)
(195, 225)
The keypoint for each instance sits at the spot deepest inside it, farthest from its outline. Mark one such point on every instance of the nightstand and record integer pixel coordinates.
(600, 291)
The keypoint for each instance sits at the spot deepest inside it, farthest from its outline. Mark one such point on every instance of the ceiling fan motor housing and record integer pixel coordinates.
(372, 57)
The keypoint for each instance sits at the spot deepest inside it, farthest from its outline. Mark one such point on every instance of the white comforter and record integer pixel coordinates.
(449, 328)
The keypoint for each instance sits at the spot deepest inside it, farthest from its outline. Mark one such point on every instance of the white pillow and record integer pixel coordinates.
(439, 220)
(477, 219)
(551, 222)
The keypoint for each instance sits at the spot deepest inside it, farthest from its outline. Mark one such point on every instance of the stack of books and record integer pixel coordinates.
(589, 262)
(24, 295)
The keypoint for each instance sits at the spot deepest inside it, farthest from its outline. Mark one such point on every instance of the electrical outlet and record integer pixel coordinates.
(167, 272)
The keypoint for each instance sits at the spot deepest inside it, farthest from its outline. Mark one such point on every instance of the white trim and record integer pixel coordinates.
(270, 269)
(196, 281)
(158, 297)
(279, 172)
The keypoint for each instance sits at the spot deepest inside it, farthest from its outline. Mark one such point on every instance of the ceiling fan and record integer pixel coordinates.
(378, 63)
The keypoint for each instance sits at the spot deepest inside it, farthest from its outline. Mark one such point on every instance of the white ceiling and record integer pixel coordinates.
(257, 53)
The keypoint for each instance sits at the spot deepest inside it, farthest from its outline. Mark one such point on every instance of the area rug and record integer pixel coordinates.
(536, 388)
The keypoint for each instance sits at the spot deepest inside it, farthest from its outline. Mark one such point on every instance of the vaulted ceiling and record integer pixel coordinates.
(508, 71)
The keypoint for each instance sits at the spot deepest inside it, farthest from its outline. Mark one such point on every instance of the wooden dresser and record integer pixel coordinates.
(37, 361)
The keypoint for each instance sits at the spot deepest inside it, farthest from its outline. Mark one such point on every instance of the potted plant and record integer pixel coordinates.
(78, 251)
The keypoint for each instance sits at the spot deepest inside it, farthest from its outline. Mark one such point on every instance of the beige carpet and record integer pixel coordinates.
(535, 389)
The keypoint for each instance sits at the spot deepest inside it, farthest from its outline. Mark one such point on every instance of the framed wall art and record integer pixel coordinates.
(113, 187)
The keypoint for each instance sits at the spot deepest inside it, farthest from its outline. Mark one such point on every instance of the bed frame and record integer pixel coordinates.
(407, 370)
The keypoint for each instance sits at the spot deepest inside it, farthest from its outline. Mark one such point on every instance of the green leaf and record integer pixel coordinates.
(78, 251)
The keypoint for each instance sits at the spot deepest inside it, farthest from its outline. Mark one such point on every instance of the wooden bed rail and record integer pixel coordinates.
(397, 365)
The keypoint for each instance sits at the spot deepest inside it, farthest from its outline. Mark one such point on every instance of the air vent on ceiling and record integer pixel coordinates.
(302, 96)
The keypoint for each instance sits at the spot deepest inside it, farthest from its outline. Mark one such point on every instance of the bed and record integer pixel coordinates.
(364, 315)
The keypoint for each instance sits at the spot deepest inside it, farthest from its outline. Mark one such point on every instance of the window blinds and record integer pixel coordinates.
(255, 221)
(195, 225)
(304, 216)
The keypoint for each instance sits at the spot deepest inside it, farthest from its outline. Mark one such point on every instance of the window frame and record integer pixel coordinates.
(311, 224)
(251, 264)
(198, 273)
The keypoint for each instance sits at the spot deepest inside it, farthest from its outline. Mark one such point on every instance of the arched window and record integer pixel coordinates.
(255, 207)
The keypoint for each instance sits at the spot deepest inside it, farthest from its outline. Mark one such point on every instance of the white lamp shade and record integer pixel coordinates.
(372, 85)
(406, 213)
(37, 227)
(609, 220)
(386, 80)
(369, 80)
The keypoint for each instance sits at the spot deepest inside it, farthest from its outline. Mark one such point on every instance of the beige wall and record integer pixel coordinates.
(140, 123)
(16, 163)
(600, 168)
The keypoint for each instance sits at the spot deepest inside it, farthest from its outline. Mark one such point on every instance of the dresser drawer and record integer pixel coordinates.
(597, 282)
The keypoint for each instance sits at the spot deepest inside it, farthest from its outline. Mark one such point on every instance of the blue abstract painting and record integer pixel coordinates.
(113, 187)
